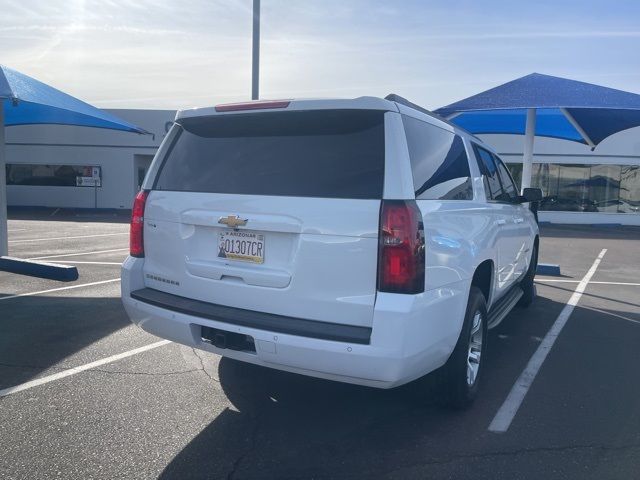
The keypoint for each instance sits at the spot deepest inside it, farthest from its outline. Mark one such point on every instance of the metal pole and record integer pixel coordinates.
(4, 227)
(527, 157)
(255, 67)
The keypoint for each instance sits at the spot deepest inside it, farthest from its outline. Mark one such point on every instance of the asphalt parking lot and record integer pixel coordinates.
(171, 412)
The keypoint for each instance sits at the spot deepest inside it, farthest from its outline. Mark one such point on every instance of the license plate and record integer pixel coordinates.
(241, 245)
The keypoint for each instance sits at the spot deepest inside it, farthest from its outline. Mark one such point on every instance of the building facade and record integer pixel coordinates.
(79, 167)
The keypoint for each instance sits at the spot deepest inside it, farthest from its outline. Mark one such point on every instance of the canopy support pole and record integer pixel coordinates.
(4, 226)
(527, 157)
(577, 126)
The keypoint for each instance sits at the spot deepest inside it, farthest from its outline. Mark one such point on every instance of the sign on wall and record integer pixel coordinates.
(91, 177)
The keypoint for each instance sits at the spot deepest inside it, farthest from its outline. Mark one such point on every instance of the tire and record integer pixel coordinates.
(459, 377)
(527, 283)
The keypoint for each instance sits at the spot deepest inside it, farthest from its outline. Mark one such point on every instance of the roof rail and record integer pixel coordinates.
(392, 97)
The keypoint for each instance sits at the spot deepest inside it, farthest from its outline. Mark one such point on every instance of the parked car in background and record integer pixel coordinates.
(617, 206)
(562, 204)
(364, 241)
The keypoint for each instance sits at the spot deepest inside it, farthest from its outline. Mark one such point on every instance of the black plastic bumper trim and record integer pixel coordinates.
(251, 319)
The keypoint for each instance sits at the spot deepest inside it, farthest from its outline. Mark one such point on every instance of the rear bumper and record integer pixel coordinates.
(411, 335)
(257, 320)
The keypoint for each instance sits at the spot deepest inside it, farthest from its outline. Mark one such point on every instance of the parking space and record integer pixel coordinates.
(172, 412)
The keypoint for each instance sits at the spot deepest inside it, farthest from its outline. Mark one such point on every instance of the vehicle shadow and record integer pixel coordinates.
(38, 332)
(284, 425)
(289, 425)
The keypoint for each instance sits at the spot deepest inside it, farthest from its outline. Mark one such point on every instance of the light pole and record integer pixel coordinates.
(255, 56)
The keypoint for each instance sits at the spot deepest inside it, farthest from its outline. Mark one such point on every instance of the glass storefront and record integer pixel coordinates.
(585, 188)
(53, 175)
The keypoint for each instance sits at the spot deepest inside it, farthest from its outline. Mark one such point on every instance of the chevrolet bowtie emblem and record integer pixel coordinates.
(233, 221)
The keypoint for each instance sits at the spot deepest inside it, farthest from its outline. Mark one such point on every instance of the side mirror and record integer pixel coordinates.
(531, 195)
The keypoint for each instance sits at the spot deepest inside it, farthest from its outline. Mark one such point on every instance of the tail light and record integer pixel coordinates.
(401, 254)
(136, 240)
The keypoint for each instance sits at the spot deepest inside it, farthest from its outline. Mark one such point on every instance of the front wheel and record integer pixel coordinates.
(462, 373)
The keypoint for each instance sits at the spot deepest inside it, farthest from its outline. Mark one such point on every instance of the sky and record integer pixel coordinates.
(181, 54)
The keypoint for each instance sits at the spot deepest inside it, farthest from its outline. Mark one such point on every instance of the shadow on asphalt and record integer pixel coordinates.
(291, 426)
(37, 332)
(289, 423)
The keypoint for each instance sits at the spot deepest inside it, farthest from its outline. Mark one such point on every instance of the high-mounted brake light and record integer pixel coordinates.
(401, 252)
(136, 240)
(257, 105)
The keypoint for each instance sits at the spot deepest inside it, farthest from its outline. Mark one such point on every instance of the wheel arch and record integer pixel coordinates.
(483, 278)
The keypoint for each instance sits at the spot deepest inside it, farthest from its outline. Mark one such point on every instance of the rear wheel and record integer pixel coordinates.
(462, 373)
(527, 284)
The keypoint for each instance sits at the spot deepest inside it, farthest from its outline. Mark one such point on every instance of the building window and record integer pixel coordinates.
(585, 188)
(53, 175)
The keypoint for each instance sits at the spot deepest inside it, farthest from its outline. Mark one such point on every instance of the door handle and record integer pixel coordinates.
(518, 220)
(501, 221)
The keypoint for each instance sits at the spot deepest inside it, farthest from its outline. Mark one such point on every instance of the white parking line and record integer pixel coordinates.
(70, 287)
(67, 238)
(542, 280)
(78, 254)
(81, 368)
(509, 408)
(558, 280)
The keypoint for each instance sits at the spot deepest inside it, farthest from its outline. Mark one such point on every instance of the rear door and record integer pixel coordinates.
(507, 242)
(521, 213)
(274, 211)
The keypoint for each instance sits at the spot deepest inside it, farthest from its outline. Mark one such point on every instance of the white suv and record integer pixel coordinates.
(365, 241)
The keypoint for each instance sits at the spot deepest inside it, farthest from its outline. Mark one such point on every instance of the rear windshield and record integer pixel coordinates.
(320, 153)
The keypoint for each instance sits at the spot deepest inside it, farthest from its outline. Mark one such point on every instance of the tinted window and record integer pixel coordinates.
(438, 161)
(508, 186)
(325, 153)
(489, 170)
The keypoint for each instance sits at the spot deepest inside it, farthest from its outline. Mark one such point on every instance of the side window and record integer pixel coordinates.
(508, 185)
(438, 161)
(487, 165)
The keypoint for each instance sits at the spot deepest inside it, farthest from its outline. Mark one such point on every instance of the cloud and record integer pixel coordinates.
(168, 54)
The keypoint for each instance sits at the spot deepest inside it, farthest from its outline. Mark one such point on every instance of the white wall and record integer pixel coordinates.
(65, 145)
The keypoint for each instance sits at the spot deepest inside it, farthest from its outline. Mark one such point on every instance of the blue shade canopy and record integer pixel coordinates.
(565, 109)
(29, 101)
